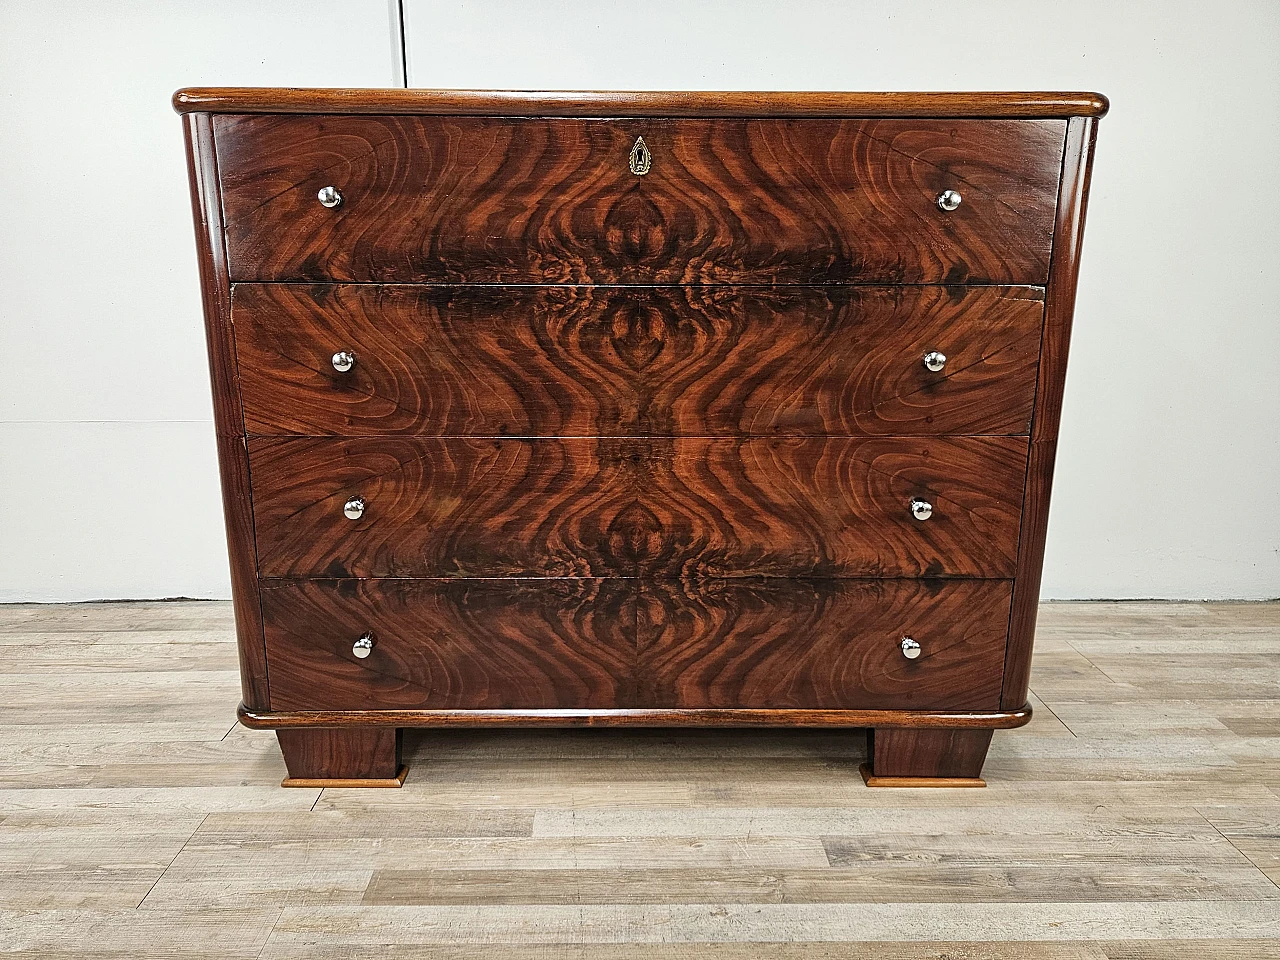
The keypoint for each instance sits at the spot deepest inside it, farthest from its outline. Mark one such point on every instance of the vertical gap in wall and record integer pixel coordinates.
(404, 49)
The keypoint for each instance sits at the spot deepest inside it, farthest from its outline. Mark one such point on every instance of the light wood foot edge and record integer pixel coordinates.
(871, 780)
(391, 783)
(923, 757)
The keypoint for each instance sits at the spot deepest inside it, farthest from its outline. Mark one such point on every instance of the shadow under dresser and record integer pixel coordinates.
(650, 409)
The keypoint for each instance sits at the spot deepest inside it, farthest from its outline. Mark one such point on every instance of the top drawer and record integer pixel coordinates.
(448, 199)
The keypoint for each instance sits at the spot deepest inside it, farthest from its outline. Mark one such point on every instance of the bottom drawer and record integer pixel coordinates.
(597, 644)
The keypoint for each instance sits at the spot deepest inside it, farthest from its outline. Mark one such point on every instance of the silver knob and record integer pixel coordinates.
(344, 360)
(933, 361)
(910, 649)
(353, 509)
(331, 197)
(920, 509)
(948, 200)
(364, 645)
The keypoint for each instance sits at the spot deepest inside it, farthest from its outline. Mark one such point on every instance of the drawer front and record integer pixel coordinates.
(822, 643)
(600, 644)
(617, 361)
(693, 507)
(450, 645)
(491, 200)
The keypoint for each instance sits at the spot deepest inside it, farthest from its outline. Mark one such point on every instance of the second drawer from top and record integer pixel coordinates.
(363, 360)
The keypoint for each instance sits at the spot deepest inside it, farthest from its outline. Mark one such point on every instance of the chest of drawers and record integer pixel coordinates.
(636, 409)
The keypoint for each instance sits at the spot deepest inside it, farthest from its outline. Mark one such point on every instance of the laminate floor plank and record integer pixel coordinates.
(319, 825)
(171, 656)
(161, 801)
(213, 749)
(756, 789)
(498, 853)
(232, 934)
(1137, 817)
(134, 615)
(1008, 823)
(475, 787)
(83, 733)
(830, 950)
(1161, 717)
(1185, 949)
(179, 889)
(367, 926)
(912, 878)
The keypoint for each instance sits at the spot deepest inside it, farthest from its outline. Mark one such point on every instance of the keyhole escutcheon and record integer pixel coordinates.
(641, 158)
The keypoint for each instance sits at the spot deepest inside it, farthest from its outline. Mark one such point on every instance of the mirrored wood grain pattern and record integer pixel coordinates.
(494, 200)
(557, 361)
(624, 643)
(692, 507)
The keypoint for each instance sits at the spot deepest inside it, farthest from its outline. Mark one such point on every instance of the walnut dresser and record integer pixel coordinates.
(651, 409)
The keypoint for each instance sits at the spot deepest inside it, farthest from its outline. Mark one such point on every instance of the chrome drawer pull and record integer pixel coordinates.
(910, 649)
(353, 509)
(921, 509)
(363, 646)
(948, 200)
(344, 360)
(933, 361)
(329, 197)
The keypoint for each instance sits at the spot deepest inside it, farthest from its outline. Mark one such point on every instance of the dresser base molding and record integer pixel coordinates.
(361, 748)
(703, 717)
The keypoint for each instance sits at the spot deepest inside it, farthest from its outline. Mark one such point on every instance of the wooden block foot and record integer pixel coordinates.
(342, 757)
(926, 757)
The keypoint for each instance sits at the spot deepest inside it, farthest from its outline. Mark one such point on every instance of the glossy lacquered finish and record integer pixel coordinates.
(636, 361)
(636, 103)
(686, 506)
(637, 409)
(1077, 165)
(489, 200)
(342, 756)
(547, 644)
(228, 413)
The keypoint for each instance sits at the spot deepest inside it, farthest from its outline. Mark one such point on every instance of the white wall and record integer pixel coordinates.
(1169, 437)
(108, 475)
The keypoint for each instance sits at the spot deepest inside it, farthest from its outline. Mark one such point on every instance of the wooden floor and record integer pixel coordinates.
(1138, 816)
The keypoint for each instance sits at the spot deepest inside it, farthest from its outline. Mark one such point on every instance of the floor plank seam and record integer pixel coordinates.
(266, 941)
(1237, 849)
(1054, 714)
(171, 862)
(1085, 658)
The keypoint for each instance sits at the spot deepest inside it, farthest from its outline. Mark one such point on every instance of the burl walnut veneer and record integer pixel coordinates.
(650, 409)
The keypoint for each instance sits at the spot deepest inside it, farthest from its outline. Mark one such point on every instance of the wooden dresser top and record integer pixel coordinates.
(595, 103)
